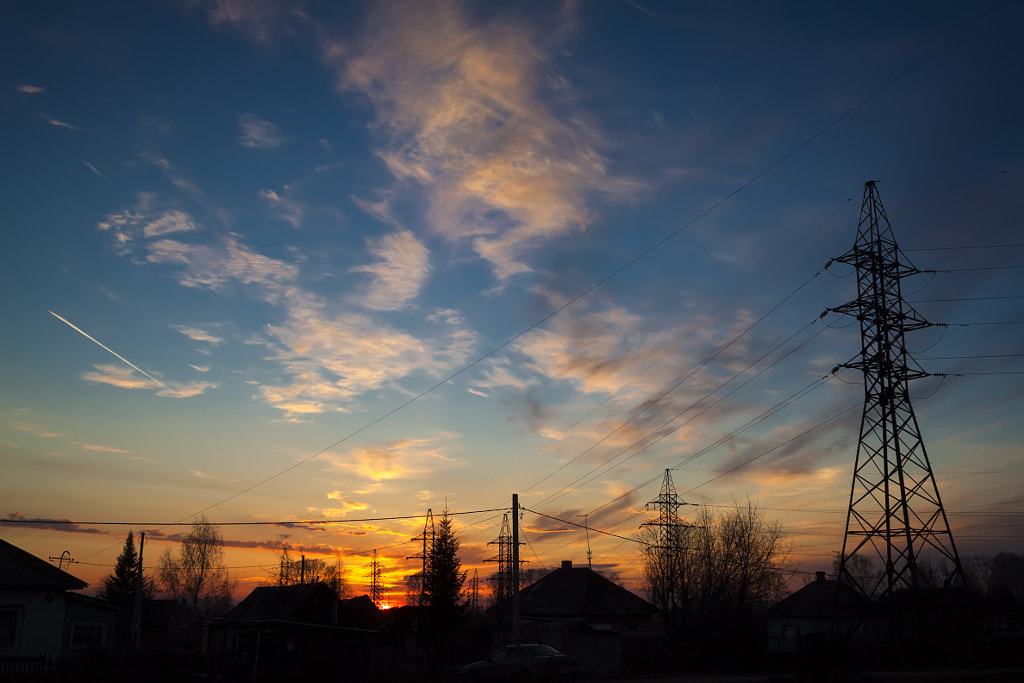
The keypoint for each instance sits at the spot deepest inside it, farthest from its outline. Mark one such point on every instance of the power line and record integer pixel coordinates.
(643, 254)
(981, 246)
(286, 523)
(580, 526)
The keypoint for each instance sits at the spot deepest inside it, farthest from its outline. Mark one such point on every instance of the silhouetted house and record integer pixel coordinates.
(168, 625)
(33, 604)
(286, 632)
(580, 612)
(94, 626)
(44, 626)
(803, 622)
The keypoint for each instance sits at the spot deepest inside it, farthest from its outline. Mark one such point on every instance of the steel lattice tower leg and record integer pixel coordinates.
(895, 519)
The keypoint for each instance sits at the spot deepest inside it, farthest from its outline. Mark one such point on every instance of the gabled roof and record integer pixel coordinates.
(818, 599)
(572, 591)
(20, 569)
(310, 603)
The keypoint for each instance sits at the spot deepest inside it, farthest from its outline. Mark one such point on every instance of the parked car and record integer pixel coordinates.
(523, 662)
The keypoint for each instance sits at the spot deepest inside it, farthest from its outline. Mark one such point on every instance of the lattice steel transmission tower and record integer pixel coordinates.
(895, 519)
(473, 601)
(665, 565)
(377, 587)
(428, 544)
(502, 579)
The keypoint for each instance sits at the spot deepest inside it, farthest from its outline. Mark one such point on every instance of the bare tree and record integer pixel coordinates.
(717, 570)
(196, 575)
(312, 570)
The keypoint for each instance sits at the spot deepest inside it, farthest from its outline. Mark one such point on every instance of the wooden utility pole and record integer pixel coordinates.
(515, 566)
(137, 607)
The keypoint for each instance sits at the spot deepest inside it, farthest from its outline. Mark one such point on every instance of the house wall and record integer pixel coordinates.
(90, 626)
(41, 623)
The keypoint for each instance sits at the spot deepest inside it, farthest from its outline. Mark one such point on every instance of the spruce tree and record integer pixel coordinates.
(119, 587)
(444, 576)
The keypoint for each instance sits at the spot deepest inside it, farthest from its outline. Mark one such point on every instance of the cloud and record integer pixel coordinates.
(29, 89)
(35, 429)
(217, 268)
(94, 170)
(259, 134)
(469, 114)
(16, 519)
(395, 460)
(331, 357)
(347, 505)
(126, 378)
(102, 449)
(255, 18)
(145, 220)
(288, 210)
(60, 124)
(328, 355)
(197, 334)
(402, 267)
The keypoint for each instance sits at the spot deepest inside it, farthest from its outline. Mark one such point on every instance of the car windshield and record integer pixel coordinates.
(543, 650)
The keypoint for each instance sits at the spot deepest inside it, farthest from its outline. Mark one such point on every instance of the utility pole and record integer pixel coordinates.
(137, 607)
(515, 566)
(896, 520)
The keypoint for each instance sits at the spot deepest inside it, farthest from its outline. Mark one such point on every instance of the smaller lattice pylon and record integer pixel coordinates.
(427, 537)
(377, 587)
(502, 579)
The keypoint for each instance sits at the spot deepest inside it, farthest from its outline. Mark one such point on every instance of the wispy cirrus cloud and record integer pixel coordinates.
(95, 170)
(15, 420)
(29, 89)
(469, 115)
(197, 334)
(124, 378)
(396, 460)
(285, 208)
(148, 219)
(399, 273)
(60, 124)
(102, 448)
(332, 357)
(257, 133)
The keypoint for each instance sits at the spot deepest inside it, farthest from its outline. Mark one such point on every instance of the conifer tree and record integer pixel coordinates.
(444, 576)
(119, 587)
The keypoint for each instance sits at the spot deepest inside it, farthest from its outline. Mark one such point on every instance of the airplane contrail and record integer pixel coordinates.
(107, 348)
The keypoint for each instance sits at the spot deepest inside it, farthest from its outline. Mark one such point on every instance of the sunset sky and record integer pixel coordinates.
(350, 261)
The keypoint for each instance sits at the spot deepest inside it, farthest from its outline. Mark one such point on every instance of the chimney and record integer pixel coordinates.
(566, 564)
(819, 577)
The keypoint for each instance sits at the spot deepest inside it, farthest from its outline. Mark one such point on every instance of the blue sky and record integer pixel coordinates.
(240, 235)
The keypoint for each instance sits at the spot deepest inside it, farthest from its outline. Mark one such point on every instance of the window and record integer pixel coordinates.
(10, 627)
(86, 635)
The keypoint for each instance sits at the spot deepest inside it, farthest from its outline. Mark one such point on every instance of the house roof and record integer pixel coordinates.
(313, 603)
(577, 591)
(818, 599)
(21, 569)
